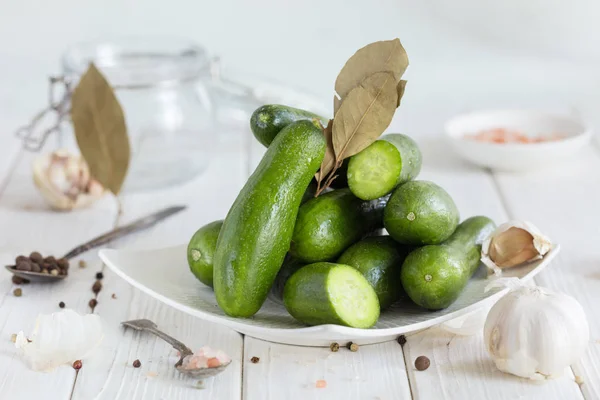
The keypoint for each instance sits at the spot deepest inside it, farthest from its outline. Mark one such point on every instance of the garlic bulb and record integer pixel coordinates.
(64, 180)
(60, 338)
(536, 333)
(512, 244)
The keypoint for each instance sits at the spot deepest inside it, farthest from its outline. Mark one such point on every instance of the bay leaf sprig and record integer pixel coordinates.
(368, 91)
(100, 129)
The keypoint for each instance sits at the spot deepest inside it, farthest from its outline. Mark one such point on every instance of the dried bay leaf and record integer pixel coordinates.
(400, 89)
(329, 160)
(100, 129)
(388, 55)
(364, 114)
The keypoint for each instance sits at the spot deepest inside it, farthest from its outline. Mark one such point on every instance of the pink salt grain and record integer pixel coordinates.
(321, 384)
(205, 357)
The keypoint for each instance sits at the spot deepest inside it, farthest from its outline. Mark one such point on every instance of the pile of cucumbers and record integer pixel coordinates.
(327, 257)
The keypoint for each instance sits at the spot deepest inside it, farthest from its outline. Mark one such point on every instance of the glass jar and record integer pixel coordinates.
(161, 85)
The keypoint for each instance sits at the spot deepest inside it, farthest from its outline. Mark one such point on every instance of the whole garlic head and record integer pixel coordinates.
(512, 244)
(64, 180)
(536, 333)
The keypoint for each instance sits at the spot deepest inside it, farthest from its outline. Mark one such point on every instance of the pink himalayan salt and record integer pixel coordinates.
(205, 357)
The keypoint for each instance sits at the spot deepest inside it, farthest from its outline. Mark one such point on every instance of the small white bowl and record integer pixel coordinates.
(515, 157)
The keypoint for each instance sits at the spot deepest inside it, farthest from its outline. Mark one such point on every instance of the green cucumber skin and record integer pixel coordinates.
(268, 120)
(290, 265)
(433, 276)
(410, 154)
(405, 166)
(204, 244)
(328, 224)
(379, 259)
(257, 231)
(420, 213)
(306, 296)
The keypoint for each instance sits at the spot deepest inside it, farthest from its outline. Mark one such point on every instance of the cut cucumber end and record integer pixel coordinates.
(375, 171)
(352, 297)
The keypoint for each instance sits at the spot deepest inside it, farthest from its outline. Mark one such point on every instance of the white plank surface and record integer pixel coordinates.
(111, 376)
(291, 372)
(563, 203)
(460, 366)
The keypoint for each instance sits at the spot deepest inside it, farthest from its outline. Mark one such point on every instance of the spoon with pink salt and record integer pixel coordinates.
(205, 363)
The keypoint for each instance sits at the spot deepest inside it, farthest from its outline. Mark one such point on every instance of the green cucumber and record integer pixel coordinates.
(290, 265)
(433, 276)
(420, 212)
(328, 224)
(328, 293)
(379, 259)
(201, 249)
(258, 228)
(268, 120)
(385, 164)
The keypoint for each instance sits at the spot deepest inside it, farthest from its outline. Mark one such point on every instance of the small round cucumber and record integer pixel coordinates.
(379, 259)
(328, 293)
(268, 120)
(201, 249)
(385, 164)
(328, 224)
(420, 212)
(434, 276)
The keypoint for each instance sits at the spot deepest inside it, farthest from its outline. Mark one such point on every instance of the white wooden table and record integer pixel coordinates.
(563, 202)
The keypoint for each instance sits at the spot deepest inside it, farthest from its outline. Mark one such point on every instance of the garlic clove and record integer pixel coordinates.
(64, 181)
(512, 244)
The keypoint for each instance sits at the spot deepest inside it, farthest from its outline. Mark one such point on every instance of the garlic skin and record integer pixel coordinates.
(60, 338)
(64, 180)
(536, 333)
(512, 244)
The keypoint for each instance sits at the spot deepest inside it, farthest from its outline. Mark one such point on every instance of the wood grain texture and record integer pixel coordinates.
(563, 203)
(291, 372)
(29, 225)
(111, 376)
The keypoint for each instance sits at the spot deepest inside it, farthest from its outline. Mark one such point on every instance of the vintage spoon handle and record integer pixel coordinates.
(134, 226)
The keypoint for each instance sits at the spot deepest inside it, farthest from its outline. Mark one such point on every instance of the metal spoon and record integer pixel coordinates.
(134, 226)
(184, 351)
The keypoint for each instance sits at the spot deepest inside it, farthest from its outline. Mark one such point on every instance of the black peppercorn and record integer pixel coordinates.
(402, 340)
(61, 304)
(99, 275)
(254, 360)
(36, 257)
(77, 364)
(422, 363)
(93, 303)
(137, 364)
(96, 287)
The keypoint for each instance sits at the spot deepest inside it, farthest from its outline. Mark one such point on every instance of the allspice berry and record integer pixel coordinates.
(352, 346)
(36, 257)
(401, 340)
(96, 287)
(61, 304)
(77, 364)
(93, 303)
(17, 292)
(422, 363)
(334, 347)
(137, 364)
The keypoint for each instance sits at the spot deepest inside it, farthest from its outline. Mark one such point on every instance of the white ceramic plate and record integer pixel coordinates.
(516, 156)
(164, 274)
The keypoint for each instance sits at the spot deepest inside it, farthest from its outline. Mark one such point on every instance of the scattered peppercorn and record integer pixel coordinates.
(82, 264)
(93, 303)
(61, 304)
(254, 360)
(17, 280)
(96, 287)
(17, 292)
(422, 363)
(77, 364)
(113, 296)
(99, 275)
(334, 347)
(402, 340)
(352, 346)
(137, 364)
